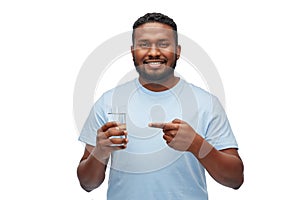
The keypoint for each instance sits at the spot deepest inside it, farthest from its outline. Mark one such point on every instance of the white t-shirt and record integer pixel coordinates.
(148, 168)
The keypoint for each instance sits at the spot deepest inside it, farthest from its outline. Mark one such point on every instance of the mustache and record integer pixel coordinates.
(154, 60)
(163, 61)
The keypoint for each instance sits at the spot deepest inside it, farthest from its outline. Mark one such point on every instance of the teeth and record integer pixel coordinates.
(154, 63)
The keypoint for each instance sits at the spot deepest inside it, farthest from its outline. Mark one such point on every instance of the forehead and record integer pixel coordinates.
(154, 30)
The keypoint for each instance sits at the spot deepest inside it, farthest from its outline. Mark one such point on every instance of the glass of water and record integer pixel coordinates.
(119, 117)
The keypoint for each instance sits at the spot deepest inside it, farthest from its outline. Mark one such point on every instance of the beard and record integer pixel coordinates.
(155, 78)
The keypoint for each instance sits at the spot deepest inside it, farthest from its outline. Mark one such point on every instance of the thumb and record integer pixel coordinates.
(177, 121)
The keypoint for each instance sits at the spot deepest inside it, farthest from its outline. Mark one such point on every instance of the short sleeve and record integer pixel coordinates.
(219, 133)
(95, 120)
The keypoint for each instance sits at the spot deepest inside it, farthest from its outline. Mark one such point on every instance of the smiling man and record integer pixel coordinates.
(174, 130)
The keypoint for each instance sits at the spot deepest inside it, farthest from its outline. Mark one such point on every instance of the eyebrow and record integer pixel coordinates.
(163, 40)
(143, 40)
(146, 40)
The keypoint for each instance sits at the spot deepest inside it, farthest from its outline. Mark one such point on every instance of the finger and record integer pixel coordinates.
(116, 148)
(108, 125)
(156, 125)
(106, 143)
(119, 140)
(102, 135)
(114, 142)
(171, 126)
(115, 131)
(171, 133)
(164, 126)
(167, 138)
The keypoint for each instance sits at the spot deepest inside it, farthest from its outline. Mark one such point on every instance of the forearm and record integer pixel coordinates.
(91, 173)
(225, 168)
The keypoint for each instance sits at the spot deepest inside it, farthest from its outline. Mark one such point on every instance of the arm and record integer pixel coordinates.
(92, 166)
(224, 166)
(90, 171)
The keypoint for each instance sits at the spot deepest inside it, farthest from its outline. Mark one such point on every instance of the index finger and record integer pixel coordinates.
(108, 125)
(157, 125)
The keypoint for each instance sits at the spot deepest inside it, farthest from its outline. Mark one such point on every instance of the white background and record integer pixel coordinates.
(255, 46)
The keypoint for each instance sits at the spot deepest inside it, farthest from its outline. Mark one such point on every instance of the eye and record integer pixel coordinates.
(144, 44)
(163, 44)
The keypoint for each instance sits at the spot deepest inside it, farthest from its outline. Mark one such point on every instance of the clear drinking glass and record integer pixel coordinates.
(119, 117)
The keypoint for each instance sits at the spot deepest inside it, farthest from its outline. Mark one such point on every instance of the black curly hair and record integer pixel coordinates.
(155, 17)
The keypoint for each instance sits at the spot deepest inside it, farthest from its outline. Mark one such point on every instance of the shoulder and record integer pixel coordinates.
(117, 92)
(200, 93)
(205, 101)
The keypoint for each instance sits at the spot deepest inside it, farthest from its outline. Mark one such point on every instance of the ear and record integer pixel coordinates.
(178, 51)
(132, 51)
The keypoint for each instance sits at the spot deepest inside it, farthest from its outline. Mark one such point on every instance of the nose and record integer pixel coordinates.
(154, 51)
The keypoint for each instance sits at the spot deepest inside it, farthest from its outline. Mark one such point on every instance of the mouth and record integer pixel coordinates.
(154, 63)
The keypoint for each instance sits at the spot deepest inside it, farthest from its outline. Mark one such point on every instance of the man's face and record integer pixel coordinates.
(155, 51)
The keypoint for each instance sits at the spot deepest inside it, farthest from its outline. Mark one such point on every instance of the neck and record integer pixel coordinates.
(159, 86)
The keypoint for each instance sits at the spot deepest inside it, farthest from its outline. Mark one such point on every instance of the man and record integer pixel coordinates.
(175, 130)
